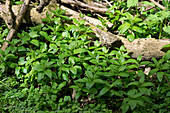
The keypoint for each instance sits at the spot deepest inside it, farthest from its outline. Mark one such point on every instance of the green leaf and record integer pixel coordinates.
(97, 43)
(61, 85)
(75, 21)
(141, 75)
(99, 81)
(167, 29)
(43, 47)
(136, 83)
(80, 50)
(131, 3)
(35, 42)
(103, 91)
(40, 76)
(166, 66)
(166, 46)
(131, 93)
(145, 62)
(145, 91)
(153, 71)
(128, 15)
(160, 76)
(57, 20)
(132, 104)
(66, 34)
(168, 94)
(65, 69)
(48, 72)
(131, 37)
(124, 108)
(89, 84)
(155, 62)
(33, 34)
(124, 27)
(54, 48)
(65, 76)
(45, 34)
(137, 29)
(82, 22)
(148, 3)
(89, 74)
(139, 58)
(73, 70)
(131, 61)
(136, 20)
(18, 2)
(38, 67)
(17, 70)
(116, 83)
(146, 84)
(124, 74)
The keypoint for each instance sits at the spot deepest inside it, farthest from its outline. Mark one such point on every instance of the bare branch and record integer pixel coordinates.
(17, 23)
(157, 4)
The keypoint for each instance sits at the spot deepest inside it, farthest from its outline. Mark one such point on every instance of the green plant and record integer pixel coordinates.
(54, 67)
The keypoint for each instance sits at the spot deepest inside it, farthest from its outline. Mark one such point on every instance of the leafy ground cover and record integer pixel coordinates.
(61, 67)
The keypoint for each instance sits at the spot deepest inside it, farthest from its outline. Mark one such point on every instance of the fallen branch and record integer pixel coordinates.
(157, 4)
(89, 7)
(16, 24)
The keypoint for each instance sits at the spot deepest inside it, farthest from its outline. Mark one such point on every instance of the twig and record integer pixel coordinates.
(16, 24)
(157, 4)
(108, 3)
(167, 80)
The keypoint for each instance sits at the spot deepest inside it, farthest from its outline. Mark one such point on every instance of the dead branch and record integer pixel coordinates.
(89, 7)
(16, 24)
(157, 4)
